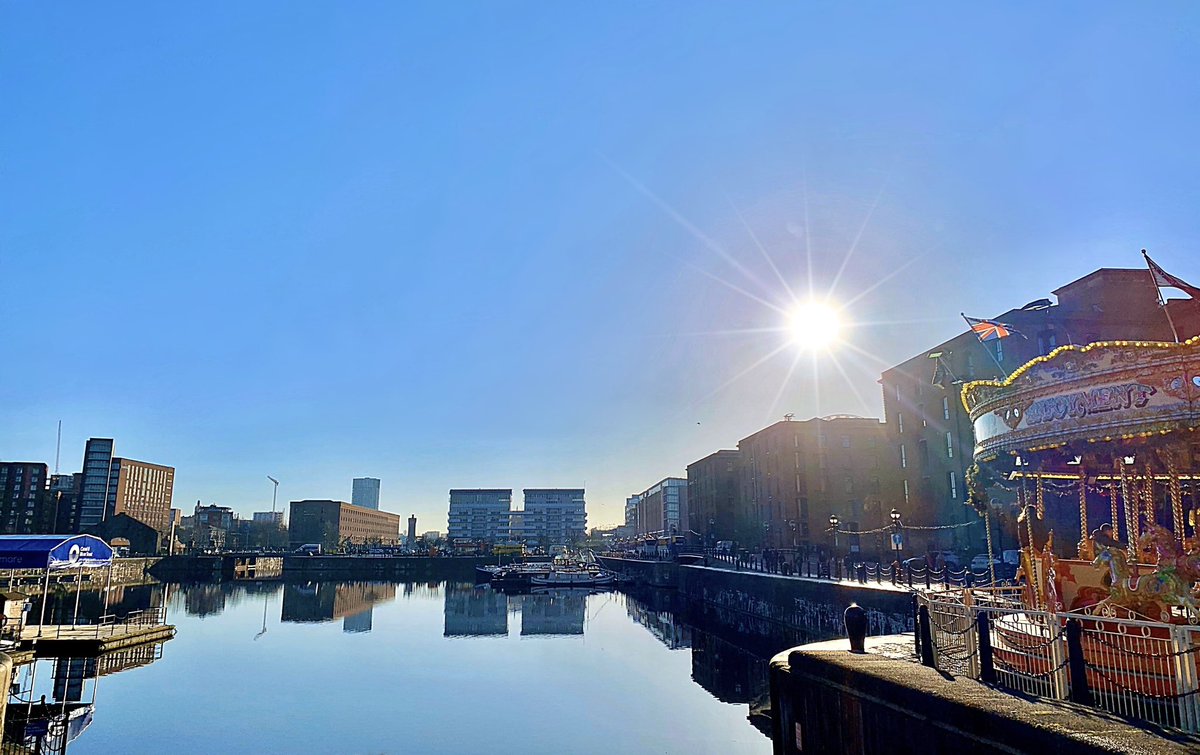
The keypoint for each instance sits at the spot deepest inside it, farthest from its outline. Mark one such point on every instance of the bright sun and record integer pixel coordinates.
(814, 325)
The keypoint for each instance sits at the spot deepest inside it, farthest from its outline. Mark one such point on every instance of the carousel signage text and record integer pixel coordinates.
(1108, 398)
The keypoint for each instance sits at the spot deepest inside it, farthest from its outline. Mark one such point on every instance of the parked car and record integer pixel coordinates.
(949, 558)
(981, 562)
(1012, 558)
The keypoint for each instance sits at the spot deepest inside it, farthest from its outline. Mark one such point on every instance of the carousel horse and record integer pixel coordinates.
(1147, 594)
(1171, 554)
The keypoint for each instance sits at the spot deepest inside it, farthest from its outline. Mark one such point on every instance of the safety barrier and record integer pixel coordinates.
(1138, 669)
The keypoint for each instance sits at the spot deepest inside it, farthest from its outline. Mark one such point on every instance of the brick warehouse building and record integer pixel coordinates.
(330, 523)
(792, 475)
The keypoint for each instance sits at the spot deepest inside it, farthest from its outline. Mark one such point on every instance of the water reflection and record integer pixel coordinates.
(661, 665)
(353, 602)
(553, 611)
(472, 610)
(52, 701)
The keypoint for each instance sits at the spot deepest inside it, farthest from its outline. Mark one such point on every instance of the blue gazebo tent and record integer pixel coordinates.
(54, 552)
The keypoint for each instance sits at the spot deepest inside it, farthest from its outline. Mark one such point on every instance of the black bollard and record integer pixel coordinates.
(856, 628)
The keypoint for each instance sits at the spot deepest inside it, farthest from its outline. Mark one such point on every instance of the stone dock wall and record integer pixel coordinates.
(826, 700)
(125, 571)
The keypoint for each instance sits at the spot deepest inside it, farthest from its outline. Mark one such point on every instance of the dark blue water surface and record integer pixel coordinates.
(369, 667)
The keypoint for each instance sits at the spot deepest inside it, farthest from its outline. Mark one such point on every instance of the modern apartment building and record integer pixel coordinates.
(712, 495)
(26, 508)
(793, 475)
(94, 485)
(113, 485)
(631, 513)
(662, 509)
(64, 498)
(929, 433)
(332, 523)
(365, 492)
(480, 514)
(551, 516)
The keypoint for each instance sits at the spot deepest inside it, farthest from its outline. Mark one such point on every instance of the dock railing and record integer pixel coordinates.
(108, 625)
(1142, 670)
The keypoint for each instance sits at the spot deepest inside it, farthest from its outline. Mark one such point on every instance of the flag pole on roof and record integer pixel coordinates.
(1162, 279)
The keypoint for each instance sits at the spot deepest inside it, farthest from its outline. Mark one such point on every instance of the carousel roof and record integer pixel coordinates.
(1102, 392)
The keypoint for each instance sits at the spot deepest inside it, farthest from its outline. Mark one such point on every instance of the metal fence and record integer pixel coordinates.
(1137, 669)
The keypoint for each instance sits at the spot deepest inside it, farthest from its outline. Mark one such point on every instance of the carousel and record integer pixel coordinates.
(1097, 447)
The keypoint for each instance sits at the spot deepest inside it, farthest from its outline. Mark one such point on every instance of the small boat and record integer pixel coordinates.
(574, 578)
(486, 573)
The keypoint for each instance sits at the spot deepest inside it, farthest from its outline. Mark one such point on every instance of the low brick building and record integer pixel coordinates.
(331, 523)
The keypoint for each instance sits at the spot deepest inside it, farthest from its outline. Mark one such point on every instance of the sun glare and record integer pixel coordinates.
(815, 325)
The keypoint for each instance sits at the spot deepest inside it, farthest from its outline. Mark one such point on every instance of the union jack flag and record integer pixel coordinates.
(991, 330)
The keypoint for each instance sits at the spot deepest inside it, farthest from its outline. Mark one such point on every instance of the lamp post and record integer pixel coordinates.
(833, 529)
(897, 537)
(711, 538)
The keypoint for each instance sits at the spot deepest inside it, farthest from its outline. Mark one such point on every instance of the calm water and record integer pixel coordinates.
(420, 667)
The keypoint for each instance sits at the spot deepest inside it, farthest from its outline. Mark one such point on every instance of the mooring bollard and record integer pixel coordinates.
(856, 628)
(923, 628)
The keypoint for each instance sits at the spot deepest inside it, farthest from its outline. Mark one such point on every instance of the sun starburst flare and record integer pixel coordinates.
(815, 325)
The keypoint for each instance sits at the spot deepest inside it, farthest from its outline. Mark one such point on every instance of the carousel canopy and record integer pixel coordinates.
(53, 551)
(1102, 392)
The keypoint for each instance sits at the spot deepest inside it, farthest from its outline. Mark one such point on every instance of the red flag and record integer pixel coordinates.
(1163, 279)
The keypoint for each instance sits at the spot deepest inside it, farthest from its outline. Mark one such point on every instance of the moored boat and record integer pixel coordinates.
(574, 578)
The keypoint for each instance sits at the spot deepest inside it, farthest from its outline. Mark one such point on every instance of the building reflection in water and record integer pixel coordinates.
(480, 611)
(554, 611)
(210, 599)
(353, 602)
(53, 700)
(654, 612)
(473, 611)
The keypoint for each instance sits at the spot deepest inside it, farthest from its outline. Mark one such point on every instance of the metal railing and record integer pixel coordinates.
(106, 626)
(1138, 669)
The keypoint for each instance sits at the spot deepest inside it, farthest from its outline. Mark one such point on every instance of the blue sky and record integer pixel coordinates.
(503, 244)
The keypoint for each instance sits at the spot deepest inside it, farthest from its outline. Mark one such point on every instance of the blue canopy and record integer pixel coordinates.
(53, 551)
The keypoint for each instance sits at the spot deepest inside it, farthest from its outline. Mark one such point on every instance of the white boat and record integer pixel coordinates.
(574, 578)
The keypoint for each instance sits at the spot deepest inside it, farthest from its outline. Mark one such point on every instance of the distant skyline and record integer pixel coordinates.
(458, 245)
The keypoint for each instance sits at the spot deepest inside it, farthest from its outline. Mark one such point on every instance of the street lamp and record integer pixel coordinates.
(833, 527)
(897, 537)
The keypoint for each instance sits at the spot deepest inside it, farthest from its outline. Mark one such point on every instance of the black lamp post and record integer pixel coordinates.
(897, 543)
(833, 527)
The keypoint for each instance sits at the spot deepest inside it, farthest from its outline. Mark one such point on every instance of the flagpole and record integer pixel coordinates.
(990, 353)
(1158, 292)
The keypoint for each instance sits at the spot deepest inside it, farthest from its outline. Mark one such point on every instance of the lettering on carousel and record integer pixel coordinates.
(1108, 398)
